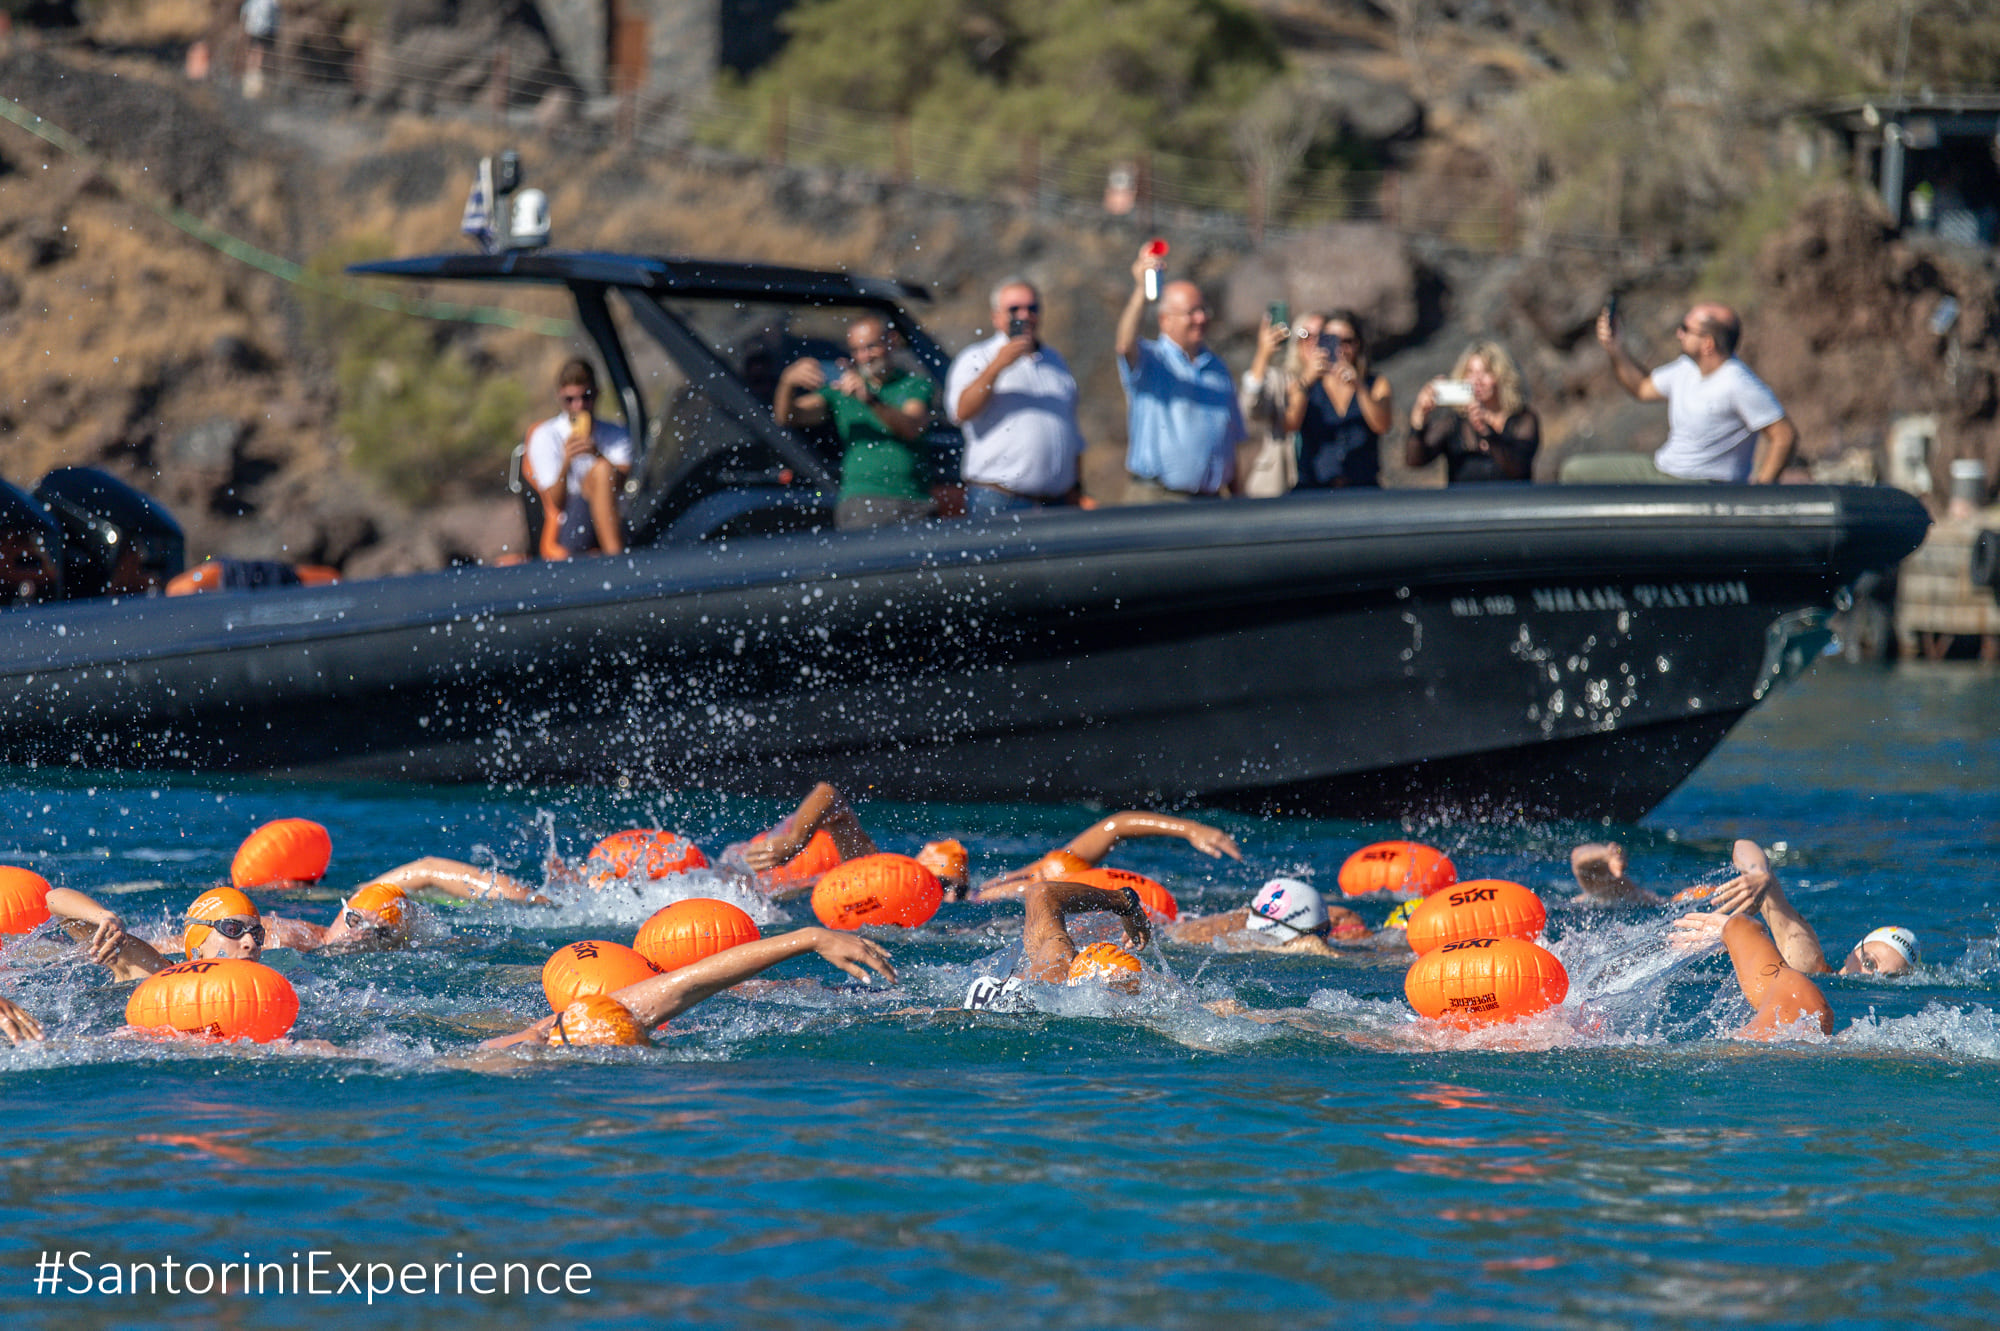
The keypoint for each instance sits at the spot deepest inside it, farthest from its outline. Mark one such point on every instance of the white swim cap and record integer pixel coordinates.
(1896, 936)
(1288, 909)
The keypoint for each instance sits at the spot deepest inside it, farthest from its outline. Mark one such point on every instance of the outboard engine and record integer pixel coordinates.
(116, 541)
(31, 545)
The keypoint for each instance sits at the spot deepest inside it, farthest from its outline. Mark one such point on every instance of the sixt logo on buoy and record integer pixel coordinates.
(1476, 894)
(1470, 942)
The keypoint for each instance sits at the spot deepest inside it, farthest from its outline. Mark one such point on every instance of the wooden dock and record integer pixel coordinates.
(1936, 601)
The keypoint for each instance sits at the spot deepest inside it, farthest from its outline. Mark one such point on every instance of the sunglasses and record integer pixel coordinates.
(578, 394)
(1023, 309)
(233, 929)
(356, 920)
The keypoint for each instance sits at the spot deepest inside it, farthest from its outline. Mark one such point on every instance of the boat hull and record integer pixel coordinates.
(1555, 652)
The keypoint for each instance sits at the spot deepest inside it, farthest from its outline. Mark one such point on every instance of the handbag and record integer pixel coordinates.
(1267, 467)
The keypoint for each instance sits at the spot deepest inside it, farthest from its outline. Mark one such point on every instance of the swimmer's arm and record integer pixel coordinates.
(663, 997)
(283, 931)
(822, 807)
(1780, 994)
(1045, 939)
(103, 935)
(1756, 887)
(1197, 929)
(16, 1024)
(458, 879)
(1095, 842)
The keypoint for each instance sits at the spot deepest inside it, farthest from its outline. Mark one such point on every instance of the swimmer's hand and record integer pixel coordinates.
(108, 938)
(1697, 931)
(852, 952)
(16, 1024)
(535, 1034)
(1212, 841)
(1132, 914)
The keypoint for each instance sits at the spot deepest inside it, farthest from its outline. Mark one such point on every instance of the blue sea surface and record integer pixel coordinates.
(820, 1153)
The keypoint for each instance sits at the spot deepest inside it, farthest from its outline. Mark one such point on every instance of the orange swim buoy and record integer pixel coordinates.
(597, 1019)
(592, 966)
(1159, 902)
(687, 931)
(295, 849)
(1687, 894)
(24, 899)
(877, 889)
(1482, 908)
(1482, 981)
(223, 998)
(1402, 868)
(816, 857)
(659, 852)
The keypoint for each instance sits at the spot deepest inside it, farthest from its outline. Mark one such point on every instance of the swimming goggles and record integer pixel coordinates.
(234, 929)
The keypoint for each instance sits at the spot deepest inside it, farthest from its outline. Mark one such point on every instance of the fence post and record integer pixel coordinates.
(777, 145)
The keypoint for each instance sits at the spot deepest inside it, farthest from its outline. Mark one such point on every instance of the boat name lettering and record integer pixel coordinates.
(1645, 596)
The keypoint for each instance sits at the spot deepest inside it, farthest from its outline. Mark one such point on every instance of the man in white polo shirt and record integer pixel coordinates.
(1718, 412)
(1015, 399)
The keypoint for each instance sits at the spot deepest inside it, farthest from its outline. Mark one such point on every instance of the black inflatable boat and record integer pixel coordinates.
(1548, 650)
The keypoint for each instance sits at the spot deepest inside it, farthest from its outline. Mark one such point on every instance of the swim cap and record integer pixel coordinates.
(946, 859)
(1107, 962)
(1896, 936)
(294, 849)
(384, 900)
(1286, 909)
(215, 904)
(596, 1019)
(1058, 864)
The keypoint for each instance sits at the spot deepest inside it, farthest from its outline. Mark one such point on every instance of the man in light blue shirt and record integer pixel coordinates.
(1182, 421)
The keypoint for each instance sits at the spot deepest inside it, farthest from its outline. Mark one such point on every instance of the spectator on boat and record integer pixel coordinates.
(659, 998)
(1492, 437)
(260, 43)
(1340, 408)
(1015, 398)
(576, 463)
(880, 410)
(1182, 418)
(1267, 461)
(1286, 915)
(824, 809)
(1723, 423)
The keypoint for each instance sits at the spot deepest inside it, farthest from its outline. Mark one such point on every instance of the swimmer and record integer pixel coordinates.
(1779, 993)
(824, 809)
(1602, 880)
(1887, 951)
(661, 997)
(1285, 916)
(16, 1024)
(1050, 955)
(375, 916)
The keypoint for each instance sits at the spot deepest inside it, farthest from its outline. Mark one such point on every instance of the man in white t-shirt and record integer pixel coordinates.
(576, 464)
(1016, 401)
(1718, 412)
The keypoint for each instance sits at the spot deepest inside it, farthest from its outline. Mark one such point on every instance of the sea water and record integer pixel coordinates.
(822, 1153)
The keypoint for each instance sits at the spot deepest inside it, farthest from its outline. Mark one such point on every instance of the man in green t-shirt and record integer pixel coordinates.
(879, 410)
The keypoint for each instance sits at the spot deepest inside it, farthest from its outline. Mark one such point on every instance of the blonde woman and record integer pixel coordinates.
(1490, 436)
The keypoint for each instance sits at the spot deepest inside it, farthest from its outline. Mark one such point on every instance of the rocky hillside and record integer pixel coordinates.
(134, 334)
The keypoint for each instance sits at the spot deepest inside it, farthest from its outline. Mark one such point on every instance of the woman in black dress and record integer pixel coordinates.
(1493, 437)
(1339, 408)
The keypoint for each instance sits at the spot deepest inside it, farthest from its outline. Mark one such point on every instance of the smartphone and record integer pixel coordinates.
(1330, 344)
(832, 369)
(1016, 326)
(1280, 312)
(1453, 393)
(1611, 308)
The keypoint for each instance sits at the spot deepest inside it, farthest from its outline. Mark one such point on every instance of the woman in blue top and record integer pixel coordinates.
(1339, 407)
